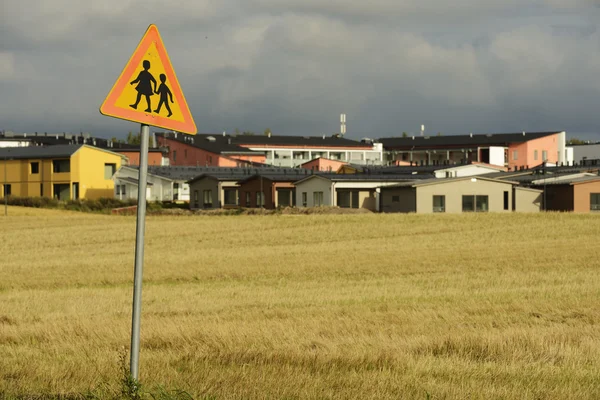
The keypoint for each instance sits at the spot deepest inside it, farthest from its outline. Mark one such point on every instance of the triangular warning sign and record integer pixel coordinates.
(148, 91)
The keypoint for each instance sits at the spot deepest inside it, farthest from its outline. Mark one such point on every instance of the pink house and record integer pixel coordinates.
(323, 164)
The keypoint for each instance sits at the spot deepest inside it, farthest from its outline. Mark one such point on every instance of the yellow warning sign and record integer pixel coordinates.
(148, 91)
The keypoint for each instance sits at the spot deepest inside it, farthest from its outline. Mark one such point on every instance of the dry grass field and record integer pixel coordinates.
(479, 306)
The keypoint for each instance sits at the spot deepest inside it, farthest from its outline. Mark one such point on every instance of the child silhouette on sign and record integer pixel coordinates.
(165, 95)
(144, 87)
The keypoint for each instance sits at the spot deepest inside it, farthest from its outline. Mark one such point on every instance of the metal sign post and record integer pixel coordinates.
(148, 80)
(4, 187)
(139, 254)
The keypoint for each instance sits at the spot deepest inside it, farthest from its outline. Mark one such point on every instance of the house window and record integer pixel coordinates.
(481, 204)
(248, 199)
(230, 197)
(535, 155)
(439, 203)
(174, 155)
(7, 189)
(41, 190)
(75, 190)
(544, 155)
(395, 199)
(594, 201)
(515, 155)
(109, 170)
(120, 190)
(506, 205)
(468, 203)
(59, 166)
(185, 153)
(195, 198)
(35, 167)
(318, 199)
(260, 199)
(304, 199)
(207, 198)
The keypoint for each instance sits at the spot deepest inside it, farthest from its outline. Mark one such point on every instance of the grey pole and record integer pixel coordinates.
(4, 188)
(139, 254)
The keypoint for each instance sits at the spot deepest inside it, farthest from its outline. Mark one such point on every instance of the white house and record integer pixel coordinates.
(475, 168)
(164, 183)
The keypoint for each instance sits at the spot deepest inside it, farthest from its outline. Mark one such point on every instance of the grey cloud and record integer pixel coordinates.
(294, 66)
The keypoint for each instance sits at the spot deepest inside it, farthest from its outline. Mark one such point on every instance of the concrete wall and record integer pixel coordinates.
(454, 190)
(527, 200)
(586, 151)
(312, 185)
(581, 192)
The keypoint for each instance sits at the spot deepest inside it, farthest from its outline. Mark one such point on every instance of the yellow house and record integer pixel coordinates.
(62, 171)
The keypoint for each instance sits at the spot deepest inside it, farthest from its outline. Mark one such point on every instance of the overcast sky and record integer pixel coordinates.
(293, 66)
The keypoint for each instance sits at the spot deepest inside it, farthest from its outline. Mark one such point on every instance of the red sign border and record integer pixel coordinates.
(110, 109)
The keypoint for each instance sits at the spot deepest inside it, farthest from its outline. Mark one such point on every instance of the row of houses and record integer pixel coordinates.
(87, 171)
(545, 188)
(509, 150)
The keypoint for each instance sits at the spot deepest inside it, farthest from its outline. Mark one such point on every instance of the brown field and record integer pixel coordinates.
(479, 306)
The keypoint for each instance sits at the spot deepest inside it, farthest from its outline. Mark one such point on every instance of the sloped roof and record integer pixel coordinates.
(57, 151)
(437, 181)
(217, 144)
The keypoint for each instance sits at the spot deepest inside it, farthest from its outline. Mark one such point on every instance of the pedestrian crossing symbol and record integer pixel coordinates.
(147, 90)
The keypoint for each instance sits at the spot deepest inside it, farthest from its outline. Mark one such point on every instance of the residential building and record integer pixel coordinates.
(219, 187)
(455, 195)
(279, 151)
(61, 171)
(206, 150)
(166, 183)
(346, 190)
(323, 165)
(580, 194)
(269, 190)
(584, 153)
(512, 150)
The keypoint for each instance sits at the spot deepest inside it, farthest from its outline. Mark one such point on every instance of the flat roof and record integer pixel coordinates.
(499, 139)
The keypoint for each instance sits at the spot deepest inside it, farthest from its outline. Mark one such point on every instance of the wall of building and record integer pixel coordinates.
(323, 164)
(186, 154)
(526, 151)
(254, 186)
(454, 190)
(557, 197)
(312, 185)
(407, 197)
(581, 195)
(197, 189)
(87, 168)
(587, 152)
(133, 157)
(464, 170)
(527, 200)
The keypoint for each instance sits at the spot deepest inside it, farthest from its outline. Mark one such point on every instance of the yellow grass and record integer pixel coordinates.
(309, 307)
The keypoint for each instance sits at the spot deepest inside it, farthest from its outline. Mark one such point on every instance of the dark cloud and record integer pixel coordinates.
(294, 66)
